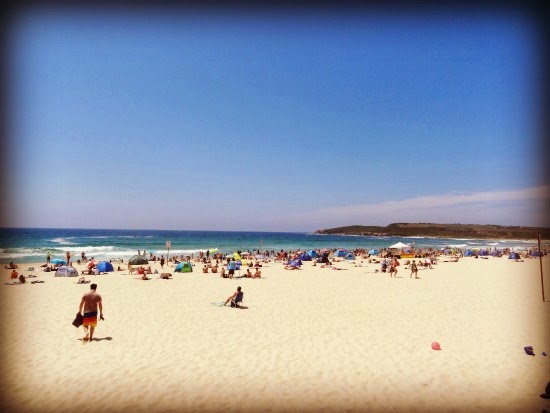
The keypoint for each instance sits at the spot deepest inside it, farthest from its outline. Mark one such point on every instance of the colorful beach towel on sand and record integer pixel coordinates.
(218, 303)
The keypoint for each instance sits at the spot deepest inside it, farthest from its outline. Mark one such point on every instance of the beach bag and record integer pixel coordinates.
(78, 320)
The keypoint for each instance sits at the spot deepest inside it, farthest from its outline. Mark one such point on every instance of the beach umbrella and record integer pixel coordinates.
(236, 256)
(58, 261)
(138, 260)
(105, 266)
(400, 245)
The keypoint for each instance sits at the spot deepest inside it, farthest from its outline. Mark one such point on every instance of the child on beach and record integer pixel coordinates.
(393, 267)
(414, 270)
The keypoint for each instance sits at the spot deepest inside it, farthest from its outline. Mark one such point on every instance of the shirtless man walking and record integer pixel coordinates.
(90, 302)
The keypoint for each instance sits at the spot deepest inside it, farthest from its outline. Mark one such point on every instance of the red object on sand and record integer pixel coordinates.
(436, 346)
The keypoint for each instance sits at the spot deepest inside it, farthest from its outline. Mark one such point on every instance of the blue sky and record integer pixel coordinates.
(280, 122)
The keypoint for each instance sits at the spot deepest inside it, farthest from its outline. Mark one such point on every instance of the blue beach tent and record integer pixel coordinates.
(340, 253)
(105, 266)
(350, 256)
(58, 261)
(312, 253)
(305, 257)
(374, 252)
(469, 253)
(514, 256)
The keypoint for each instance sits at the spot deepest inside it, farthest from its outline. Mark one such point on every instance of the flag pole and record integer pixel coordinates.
(541, 275)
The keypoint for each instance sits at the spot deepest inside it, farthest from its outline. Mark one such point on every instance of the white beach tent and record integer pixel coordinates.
(66, 271)
(400, 245)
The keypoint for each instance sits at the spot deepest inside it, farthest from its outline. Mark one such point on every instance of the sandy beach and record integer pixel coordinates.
(315, 339)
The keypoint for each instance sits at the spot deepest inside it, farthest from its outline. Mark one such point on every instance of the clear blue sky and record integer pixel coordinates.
(285, 121)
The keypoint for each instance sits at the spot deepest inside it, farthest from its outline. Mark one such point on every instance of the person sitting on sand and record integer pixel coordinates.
(205, 269)
(248, 273)
(165, 276)
(222, 272)
(257, 274)
(22, 279)
(214, 268)
(14, 274)
(148, 270)
(12, 266)
(144, 277)
(235, 298)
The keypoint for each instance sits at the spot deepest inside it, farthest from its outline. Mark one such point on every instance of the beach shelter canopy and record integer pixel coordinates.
(340, 253)
(58, 261)
(184, 267)
(312, 253)
(105, 266)
(350, 256)
(514, 256)
(400, 245)
(374, 252)
(66, 271)
(138, 260)
(305, 257)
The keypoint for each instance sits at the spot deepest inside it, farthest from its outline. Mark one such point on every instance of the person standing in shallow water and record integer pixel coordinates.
(90, 304)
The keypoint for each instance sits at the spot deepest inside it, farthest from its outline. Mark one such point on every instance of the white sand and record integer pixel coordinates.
(311, 340)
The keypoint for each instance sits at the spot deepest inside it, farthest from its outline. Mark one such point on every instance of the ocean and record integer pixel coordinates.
(31, 245)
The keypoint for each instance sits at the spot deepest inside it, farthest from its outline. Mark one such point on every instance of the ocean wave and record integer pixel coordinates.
(62, 241)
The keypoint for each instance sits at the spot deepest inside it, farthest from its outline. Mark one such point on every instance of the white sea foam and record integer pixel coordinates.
(62, 241)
